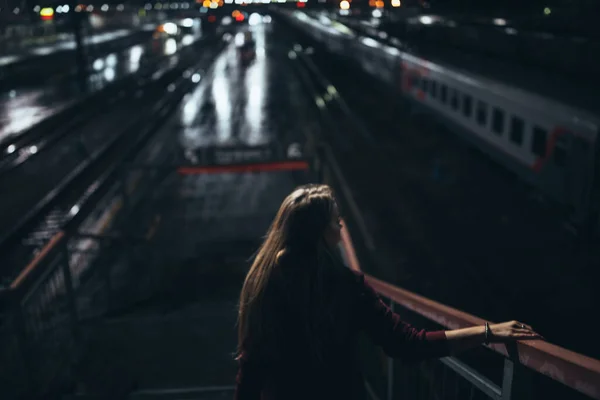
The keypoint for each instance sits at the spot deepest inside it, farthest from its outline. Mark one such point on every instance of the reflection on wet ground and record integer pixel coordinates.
(67, 45)
(247, 99)
(22, 107)
(236, 102)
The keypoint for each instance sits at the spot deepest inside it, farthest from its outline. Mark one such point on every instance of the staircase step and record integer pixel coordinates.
(200, 393)
(184, 393)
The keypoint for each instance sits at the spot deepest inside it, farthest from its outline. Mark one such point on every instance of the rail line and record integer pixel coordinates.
(65, 202)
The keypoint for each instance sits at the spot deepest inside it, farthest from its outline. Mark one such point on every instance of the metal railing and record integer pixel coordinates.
(84, 271)
(528, 370)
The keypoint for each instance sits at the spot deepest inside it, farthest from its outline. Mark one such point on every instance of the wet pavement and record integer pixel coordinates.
(21, 107)
(207, 227)
(237, 104)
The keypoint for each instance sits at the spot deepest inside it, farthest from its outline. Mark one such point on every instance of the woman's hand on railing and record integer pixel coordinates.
(511, 331)
(467, 338)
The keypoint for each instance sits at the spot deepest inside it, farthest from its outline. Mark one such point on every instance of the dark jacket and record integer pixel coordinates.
(290, 371)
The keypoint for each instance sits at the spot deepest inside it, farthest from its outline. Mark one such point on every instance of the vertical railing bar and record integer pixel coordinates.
(390, 382)
(126, 211)
(420, 380)
(472, 376)
(431, 385)
(70, 294)
(107, 281)
(444, 373)
(430, 380)
(24, 345)
(457, 389)
(410, 391)
(472, 392)
(507, 379)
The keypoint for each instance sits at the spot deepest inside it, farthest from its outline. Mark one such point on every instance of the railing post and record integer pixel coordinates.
(107, 282)
(70, 291)
(515, 385)
(390, 382)
(127, 211)
(23, 345)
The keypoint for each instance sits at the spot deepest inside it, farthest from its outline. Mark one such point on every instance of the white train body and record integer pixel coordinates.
(550, 145)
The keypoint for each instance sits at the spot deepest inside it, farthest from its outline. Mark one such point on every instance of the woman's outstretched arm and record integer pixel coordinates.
(463, 339)
(399, 339)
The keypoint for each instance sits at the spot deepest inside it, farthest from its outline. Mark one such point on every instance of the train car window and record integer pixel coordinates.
(498, 121)
(467, 106)
(443, 93)
(424, 84)
(481, 113)
(516, 130)
(454, 100)
(414, 81)
(538, 146)
(433, 89)
(560, 152)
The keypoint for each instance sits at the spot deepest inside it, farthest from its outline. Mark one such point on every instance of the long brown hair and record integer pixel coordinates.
(296, 233)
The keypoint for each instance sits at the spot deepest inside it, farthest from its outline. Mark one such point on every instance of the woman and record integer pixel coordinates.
(301, 311)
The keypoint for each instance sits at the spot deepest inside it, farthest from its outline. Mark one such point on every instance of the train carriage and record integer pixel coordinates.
(550, 145)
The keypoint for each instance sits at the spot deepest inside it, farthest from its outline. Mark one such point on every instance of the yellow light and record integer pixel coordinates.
(206, 3)
(344, 5)
(47, 12)
(379, 4)
(396, 3)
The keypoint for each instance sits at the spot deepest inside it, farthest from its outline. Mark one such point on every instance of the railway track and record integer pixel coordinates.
(64, 203)
(18, 149)
(48, 66)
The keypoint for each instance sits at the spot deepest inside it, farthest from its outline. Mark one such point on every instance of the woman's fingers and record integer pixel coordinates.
(530, 336)
(526, 334)
(521, 325)
(523, 331)
(514, 330)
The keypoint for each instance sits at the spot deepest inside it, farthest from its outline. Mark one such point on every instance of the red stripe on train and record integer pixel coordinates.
(550, 146)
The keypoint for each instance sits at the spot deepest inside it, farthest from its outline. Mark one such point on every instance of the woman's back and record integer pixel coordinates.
(307, 347)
